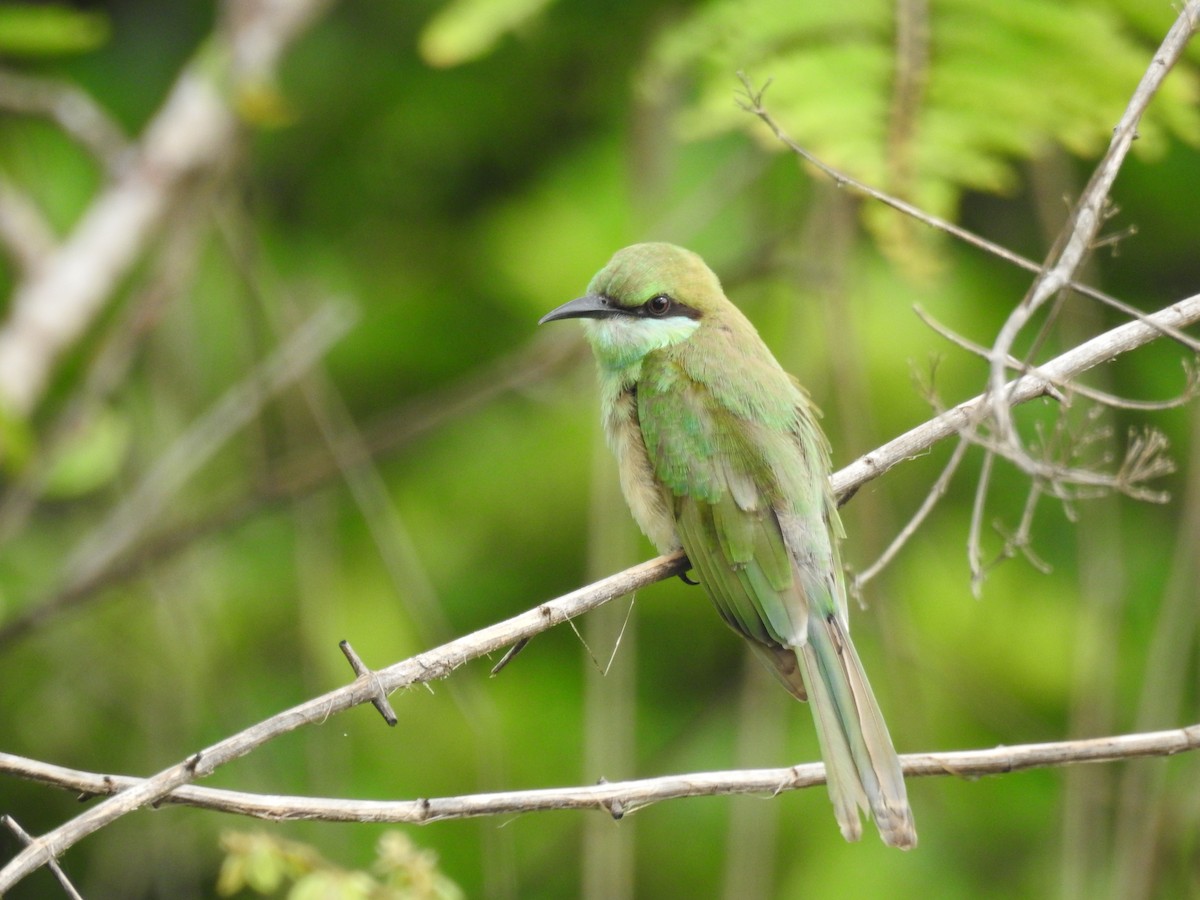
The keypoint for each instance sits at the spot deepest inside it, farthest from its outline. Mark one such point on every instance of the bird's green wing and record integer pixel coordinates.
(716, 469)
(756, 518)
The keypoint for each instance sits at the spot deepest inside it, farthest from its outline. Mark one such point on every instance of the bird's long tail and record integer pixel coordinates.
(862, 769)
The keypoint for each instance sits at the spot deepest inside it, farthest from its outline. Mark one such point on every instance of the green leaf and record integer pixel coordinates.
(468, 29)
(17, 442)
(334, 885)
(91, 457)
(49, 30)
(983, 86)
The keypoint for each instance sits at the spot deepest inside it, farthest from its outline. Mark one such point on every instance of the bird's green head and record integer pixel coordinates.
(648, 297)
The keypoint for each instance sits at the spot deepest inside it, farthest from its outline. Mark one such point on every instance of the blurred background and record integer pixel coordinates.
(199, 505)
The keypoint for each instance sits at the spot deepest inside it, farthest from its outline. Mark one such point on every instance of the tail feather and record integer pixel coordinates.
(862, 769)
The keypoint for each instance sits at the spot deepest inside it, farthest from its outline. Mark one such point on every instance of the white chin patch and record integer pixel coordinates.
(631, 338)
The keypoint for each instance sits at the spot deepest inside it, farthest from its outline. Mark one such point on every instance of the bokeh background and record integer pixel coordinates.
(446, 173)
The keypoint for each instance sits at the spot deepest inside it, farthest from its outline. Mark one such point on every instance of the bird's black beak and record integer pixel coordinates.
(593, 306)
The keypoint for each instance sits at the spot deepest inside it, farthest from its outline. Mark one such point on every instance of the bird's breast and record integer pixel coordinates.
(643, 492)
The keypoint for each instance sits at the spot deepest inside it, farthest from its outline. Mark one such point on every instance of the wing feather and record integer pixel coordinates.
(754, 512)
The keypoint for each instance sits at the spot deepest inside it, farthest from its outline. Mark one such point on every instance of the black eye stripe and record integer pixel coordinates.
(657, 307)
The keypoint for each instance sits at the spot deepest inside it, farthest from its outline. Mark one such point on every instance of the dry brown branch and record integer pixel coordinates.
(625, 796)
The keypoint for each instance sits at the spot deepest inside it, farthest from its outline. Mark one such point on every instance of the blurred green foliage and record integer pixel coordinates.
(49, 29)
(455, 170)
(267, 865)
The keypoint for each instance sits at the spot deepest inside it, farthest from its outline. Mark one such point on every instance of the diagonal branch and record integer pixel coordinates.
(193, 133)
(71, 109)
(428, 666)
(1078, 236)
(1060, 370)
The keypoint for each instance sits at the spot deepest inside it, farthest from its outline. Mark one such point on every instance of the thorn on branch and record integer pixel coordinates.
(613, 807)
(380, 700)
(509, 656)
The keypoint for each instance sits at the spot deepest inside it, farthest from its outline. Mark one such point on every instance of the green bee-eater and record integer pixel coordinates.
(720, 453)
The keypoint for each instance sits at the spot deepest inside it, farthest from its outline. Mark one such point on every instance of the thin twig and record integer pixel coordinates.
(115, 353)
(71, 109)
(629, 796)
(1191, 387)
(753, 104)
(974, 543)
(968, 414)
(936, 492)
(508, 656)
(107, 544)
(1065, 258)
(24, 231)
(24, 837)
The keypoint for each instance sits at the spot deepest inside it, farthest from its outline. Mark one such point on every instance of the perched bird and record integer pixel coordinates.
(719, 453)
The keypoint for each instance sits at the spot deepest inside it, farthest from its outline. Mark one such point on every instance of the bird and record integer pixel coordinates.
(720, 454)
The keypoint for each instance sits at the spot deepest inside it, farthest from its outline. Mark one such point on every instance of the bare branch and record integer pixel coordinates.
(305, 471)
(192, 134)
(1080, 233)
(1191, 387)
(380, 700)
(626, 796)
(936, 492)
(974, 541)
(440, 662)
(968, 414)
(71, 109)
(429, 666)
(24, 232)
(23, 836)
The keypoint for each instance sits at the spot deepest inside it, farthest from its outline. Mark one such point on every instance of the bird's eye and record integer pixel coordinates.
(658, 305)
